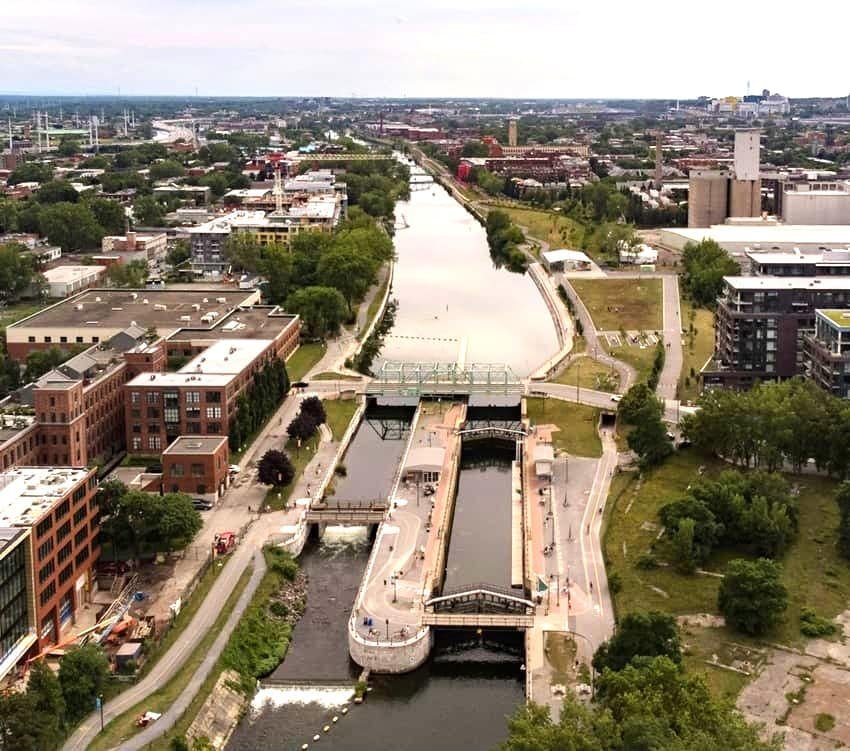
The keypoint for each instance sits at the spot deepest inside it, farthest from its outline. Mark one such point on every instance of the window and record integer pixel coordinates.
(213, 428)
(45, 549)
(48, 339)
(31, 339)
(153, 427)
(153, 397)
(63, 531)
(213, 397)
(171, 414)
(45, 572)
(193, 428)
(44, 526)
(47, 593)
(193, 397)
(62, 509)
(135, 397)
(64, 553)
(79, 340)
(137, 428)
(197, 470)
(193, 412)
(80, 536)
(95, 340)
(81, 556)
(63, 339)
(213, 413)
(137, 442)
(177, 470)
(154, 442)
(65, 574)
(79, 515)
(153, 413)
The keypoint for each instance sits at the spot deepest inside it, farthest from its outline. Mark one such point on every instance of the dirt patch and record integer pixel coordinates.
(703, 620)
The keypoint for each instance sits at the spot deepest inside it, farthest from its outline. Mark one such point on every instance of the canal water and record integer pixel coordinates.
(454, 305)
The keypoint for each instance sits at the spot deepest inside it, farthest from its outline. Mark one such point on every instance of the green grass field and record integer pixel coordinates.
(812, 570)
(577, 423)
(698, 344)
(559, 231)
(588, 373)
(639, 358)
(304, 358)
(622, 304)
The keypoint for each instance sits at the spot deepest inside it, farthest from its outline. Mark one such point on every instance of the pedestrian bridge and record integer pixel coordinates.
(419, 379)
(480, 430)
(355, 513)
(481, 599)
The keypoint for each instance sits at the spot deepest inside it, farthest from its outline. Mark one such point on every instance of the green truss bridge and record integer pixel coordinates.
(443, 379)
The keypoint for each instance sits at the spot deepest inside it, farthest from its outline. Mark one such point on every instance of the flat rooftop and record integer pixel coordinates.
(837, 257)
(8, 535)
(840, 318)
(70, 274)
(258, 322)
(193, 444)
(120, 308)
(788, 282)
(164, 380)
(828, 235)
(230, 357)
(26, 493)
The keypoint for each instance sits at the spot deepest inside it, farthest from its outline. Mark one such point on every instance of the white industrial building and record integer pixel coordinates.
(66, 280)
(559, 260)
(816, 202)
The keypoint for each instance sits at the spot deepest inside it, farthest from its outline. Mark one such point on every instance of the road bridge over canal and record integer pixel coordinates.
(441, 379)
(355, 513)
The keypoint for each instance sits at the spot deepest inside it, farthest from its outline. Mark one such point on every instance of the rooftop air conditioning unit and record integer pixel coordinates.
(97, 299)
(145, 301)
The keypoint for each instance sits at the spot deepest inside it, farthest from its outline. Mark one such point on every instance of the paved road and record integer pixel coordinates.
(669, 379)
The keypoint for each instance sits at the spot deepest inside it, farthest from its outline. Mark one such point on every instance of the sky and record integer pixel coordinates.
(422, 48)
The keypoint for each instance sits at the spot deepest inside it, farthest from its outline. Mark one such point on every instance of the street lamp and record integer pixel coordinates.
(395, 590)
(388, 629)
(566, 479)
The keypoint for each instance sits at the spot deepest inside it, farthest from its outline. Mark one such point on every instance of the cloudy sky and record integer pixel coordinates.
(514, 48)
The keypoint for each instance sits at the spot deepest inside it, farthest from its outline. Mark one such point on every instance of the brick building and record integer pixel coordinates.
(196, 465)
(57, 507)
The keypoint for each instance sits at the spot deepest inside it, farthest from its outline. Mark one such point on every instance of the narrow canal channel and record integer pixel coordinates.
(454, 305)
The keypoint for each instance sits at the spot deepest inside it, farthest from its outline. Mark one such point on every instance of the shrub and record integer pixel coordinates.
(814, 625)
(647, 562)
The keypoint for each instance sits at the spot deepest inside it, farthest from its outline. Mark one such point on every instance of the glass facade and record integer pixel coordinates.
(14, 621)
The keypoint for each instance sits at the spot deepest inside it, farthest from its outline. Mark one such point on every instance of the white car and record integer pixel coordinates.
(234, 469)
(616, 397)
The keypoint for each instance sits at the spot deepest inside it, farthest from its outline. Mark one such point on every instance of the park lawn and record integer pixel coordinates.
(549, 227)
(339, 413)
(124, 726)
(697, 347)
(577, 423)
(590, 374)
(304, 358)
(640, 358)
(622, 304)
(331, 376)
(12, 313)
(813, 572)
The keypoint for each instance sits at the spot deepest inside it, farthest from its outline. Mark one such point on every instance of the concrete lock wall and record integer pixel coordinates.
(384, 657)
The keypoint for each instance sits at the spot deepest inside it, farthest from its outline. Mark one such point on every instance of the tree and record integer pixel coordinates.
(348, 271)
(842, 497)
(302, 427)
(752, 597)
(17, 271)
(649, 437)
(275, 468)
(277, 269)
(705, 264)
(639, 634)
(610, 238)
(30, 172)
(133, 274)
(178, 520)
(243, 251)
(635, 400)
(322, 310)
(83, 673)
(179, 253)
(40, 361)
(165, 169)
(48, 703)
(109, 215)
(148, 212)
(306, 249)
(312, 407)
(18, 731)
(9, 211)
(475, 148)
(580, 728)
(71, 225)
(57, 191)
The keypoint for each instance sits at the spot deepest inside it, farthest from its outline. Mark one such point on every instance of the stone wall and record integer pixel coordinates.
(383, 657)
(220, 713)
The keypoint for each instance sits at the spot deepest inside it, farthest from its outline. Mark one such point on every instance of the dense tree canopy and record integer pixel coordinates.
(73, 226)
(752, 596)
(322, 310)
(275, 468)
(639, 634)
(705, 264)
(83, 673)
(17, 271)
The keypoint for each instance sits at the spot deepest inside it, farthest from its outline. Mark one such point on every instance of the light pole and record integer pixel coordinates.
(395, 590)
(388, 629)
(566, 479)
(578, 379)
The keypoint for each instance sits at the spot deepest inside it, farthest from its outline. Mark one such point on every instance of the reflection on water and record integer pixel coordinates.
(453, 302)
(458, 701)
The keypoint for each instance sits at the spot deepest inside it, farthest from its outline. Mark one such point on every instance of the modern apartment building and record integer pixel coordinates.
(762, 323)
(827, 351)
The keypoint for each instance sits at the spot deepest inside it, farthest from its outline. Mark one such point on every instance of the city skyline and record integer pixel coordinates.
(401, 50)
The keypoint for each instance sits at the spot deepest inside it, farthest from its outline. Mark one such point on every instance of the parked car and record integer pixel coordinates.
(234, 469)
(202, 504)
(616, 397)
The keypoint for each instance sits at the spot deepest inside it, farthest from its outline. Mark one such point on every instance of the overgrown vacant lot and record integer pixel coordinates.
(628, 304)
(577, 423)
(558, 231)
(813, 572)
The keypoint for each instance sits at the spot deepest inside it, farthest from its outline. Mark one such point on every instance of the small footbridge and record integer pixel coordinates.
(479, 605)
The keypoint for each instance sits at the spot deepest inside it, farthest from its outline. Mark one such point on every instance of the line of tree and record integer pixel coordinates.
(306, 422)
(504, 239)
(772, 425)
(648, 438)
(258, 402)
